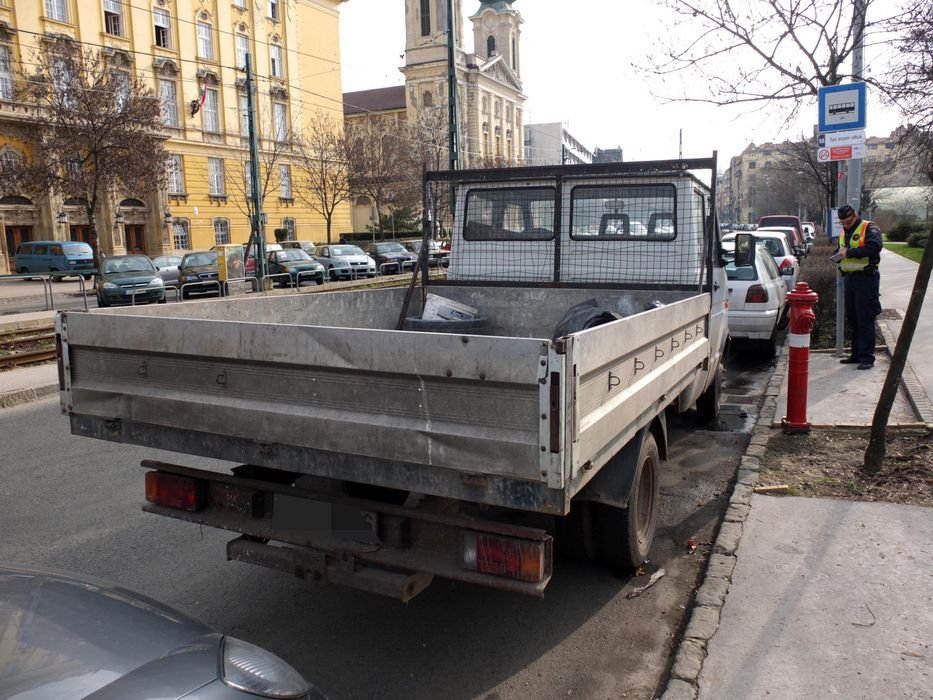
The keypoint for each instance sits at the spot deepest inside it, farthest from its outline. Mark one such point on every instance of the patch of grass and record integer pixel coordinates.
(905, 251)
(825, 481)
(793, 491)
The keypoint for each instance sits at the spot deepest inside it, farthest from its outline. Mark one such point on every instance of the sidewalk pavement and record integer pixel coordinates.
(809, 597)
(802, 597)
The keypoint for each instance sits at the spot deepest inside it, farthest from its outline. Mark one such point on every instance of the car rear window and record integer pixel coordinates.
(745, 273)
(77, 249)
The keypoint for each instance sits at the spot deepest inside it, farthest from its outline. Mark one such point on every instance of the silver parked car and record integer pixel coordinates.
(344, 261)
(167, 265)
(67, 636)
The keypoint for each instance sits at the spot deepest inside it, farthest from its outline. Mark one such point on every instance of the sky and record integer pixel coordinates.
(576, 68)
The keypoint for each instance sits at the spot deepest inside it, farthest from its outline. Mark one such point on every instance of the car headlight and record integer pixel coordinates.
(156, 282)
(254, 670)
(109, 285)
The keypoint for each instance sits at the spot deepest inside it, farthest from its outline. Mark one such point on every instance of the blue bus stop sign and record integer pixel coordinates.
(842, 107)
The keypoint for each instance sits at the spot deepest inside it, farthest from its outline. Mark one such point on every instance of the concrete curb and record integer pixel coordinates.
(17, 397)
(683, 683)
(916, 395)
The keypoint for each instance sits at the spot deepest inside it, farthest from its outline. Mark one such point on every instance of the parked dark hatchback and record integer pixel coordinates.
(198, 274)
(391, 258)
(296, 263)
(129, 279)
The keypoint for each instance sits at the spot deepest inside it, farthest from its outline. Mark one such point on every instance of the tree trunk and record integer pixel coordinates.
(874, 454)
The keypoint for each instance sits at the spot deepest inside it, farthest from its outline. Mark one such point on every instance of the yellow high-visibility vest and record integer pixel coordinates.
(856, 240)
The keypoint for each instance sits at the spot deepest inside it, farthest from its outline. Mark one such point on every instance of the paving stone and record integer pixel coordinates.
(755, 450)
(752, 463)
(742, 493)
(703, 623)
(747, 477)
(720, 566)
(728, 540)
(689, 660)
(737, 513)
(713, 592)
(679, 690)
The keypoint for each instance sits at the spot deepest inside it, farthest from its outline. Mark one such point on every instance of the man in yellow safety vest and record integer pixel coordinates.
(860, 250)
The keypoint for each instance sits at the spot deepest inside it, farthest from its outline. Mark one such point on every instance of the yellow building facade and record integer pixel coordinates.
(187, 51)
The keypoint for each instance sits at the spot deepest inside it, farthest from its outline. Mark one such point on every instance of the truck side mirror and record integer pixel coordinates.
(744, 250)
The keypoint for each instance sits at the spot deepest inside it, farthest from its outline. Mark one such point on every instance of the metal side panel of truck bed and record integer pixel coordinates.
(513, 421)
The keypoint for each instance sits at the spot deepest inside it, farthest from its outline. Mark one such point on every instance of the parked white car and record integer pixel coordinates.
(776, 242)
(757, 300)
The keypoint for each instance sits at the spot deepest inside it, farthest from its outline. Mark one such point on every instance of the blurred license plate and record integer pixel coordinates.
(303, 517)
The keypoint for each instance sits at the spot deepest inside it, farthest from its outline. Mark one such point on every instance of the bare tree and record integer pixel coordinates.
(96, 129)
(376, 150)
(428, 151)
(273, 153)
(324, 167)
(773, 53)
(909, 84)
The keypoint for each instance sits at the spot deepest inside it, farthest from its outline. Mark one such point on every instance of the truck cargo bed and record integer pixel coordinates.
(322, 384)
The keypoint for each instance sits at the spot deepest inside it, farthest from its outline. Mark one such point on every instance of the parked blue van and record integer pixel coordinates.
(54, 256)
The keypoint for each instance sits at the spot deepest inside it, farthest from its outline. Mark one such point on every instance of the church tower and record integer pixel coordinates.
(489, 91)
(496, 32)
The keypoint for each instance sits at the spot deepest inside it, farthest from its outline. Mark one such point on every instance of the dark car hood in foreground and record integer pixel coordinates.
(67, 637)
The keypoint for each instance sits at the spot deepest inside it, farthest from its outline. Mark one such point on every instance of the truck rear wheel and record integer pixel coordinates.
(623, 536)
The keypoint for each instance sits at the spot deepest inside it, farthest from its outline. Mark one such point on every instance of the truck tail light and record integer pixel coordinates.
(173, 491)
(523, 560)
(756, 294)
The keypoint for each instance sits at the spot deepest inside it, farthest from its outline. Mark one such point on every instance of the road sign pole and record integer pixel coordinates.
(854, 183)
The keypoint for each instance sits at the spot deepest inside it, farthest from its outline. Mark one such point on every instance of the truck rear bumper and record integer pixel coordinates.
(371, 545)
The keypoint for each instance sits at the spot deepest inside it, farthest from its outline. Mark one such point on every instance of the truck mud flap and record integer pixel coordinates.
(316, 566)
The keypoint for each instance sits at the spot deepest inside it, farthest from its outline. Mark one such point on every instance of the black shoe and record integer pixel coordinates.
(848, 361)
(866, 365)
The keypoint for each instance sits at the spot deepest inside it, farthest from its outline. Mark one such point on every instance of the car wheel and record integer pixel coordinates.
(56, 279)
(101, 304)
(320, 280)
(185, 294)
(87, 277)
(623, 536)
(332, 274)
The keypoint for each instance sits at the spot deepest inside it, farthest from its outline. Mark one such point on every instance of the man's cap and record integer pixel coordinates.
(845, 211)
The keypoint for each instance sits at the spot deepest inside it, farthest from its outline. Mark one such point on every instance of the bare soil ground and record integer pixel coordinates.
(827, 464)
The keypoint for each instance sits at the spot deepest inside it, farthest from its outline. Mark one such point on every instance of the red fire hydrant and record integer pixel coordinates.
(801, 301)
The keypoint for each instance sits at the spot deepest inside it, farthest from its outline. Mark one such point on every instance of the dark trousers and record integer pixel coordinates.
(863, 304)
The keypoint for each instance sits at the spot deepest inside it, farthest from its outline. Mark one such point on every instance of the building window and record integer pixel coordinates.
(113, 17)
(180, 237)
(425, 17)
(274, 9)
(290, 228)
(490, 46)
(56, 9)
(205, 41)
(244, 114)
(513, 53)
(211, 111)
(242, 48)
(278, 70)
(752, 165)
(6, 74)
(120, 82)
(285, 181)
(215, 176)
(280, 119)
(163, 28)
(427, 99)
(175, 175)
(168, 98)
(240, 4)
(221, 231)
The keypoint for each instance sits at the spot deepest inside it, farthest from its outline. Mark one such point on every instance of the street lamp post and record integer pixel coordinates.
(167, 236)
(120, 221)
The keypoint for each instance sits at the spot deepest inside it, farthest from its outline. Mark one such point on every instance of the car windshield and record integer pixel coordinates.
(773, 246)
(391, 248)
(131, 263)
(346, 250)
(167, 261)
(291, 254)
(208, 258)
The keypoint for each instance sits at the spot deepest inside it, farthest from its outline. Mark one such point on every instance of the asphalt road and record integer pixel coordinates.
(74, 503)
